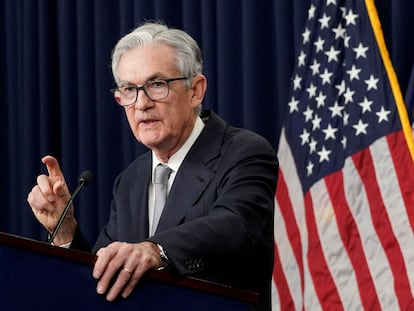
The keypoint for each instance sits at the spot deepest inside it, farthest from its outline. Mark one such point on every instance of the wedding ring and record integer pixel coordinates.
(127, 270)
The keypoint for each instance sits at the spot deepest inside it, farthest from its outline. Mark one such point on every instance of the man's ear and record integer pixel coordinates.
(199, 86)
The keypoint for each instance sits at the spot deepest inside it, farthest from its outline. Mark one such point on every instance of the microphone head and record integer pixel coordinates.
(85, 178)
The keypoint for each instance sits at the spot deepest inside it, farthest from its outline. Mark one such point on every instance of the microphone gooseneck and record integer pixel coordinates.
(84, 179)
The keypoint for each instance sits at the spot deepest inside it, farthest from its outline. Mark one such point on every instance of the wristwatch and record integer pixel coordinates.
(166, 262)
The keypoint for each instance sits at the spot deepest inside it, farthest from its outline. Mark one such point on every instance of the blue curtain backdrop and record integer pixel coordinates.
(55, 79)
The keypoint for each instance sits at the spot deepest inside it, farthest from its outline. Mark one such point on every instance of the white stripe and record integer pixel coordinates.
(394, 204)
(336, 257)
(275, 298)
(374, 253)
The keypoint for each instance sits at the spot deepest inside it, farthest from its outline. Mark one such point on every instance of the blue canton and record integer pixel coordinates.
(340, 100)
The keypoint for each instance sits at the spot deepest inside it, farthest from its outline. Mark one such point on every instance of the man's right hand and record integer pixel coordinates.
(48, 199)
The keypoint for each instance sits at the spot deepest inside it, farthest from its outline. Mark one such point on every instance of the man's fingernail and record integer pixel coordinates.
(100, 289)
(96, 274)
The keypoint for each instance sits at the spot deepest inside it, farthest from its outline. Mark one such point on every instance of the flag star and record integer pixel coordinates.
(344, 142)
(315, 67)
(311, 90)
(328, 2)
(360, 128)
(343, 10)
(341, 87)
(330, 132)
(361, 51)
(296, 82)
(326, 76)
(311, 12)
(324, 21)
(301, 59)
(353, 73)
(324, 154)
(336, 110)
(312, 145)
(366, 105)
(308, 114)
(316, 122)
(345, 119)
(306, 35)
(319, 44)
(346, 41)
(339, 31)
(348, 95)
(332, 54)
(372, 83)
(309, 168)
(320, 100)
(383, 115)
(305, 137)
(350, 18)
(293, 104)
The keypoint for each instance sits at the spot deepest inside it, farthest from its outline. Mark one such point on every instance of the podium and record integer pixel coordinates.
(37, 276)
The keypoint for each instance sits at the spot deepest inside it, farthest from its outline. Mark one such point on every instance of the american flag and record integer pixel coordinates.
(344, 213)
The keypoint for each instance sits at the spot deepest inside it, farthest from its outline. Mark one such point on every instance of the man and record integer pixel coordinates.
(217, 222)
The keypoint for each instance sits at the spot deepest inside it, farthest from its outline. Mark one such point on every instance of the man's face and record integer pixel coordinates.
(162, 125)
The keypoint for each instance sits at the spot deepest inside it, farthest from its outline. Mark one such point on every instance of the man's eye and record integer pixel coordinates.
(157, 84)
(128, 89)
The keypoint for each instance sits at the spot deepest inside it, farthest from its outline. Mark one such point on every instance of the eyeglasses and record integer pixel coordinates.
(155, 90)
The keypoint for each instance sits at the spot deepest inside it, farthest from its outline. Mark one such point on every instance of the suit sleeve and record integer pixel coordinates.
(79, 242)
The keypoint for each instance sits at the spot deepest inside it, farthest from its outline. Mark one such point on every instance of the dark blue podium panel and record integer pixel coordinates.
(35, 276)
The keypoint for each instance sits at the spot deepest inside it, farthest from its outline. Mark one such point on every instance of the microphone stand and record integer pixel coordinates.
(84, 179)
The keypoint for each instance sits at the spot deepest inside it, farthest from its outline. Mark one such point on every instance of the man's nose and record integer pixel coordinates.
(143, 101)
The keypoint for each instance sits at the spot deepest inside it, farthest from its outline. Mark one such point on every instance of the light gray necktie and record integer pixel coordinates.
(161, 174)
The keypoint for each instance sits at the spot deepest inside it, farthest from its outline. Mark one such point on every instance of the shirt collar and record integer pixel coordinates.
(177, 158)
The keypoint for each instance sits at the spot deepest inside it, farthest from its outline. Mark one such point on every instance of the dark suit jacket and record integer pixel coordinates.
(217, 223)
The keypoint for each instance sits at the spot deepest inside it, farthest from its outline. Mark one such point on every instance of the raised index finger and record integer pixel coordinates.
(52, 166)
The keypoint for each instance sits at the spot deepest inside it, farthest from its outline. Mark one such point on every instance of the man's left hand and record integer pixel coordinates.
(126, 260)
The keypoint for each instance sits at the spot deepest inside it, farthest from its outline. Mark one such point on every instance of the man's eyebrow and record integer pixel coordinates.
(153, 77)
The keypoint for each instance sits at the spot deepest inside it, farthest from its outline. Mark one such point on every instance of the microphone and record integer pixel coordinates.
(84, 179)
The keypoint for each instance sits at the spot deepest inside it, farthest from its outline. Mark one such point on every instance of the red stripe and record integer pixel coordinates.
(289, 218)
(363, 160)
(324, 285)
(282, 197)
(352, 241)
(285, 298)
(404, 168)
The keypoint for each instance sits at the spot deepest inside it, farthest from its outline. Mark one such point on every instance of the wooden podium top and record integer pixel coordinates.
(163, 276)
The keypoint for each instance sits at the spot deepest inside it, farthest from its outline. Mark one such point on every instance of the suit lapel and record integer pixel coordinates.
(195, 173)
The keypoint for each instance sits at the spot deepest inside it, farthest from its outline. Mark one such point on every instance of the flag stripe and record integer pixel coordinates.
(401, 195)
(404, 168)
(285, 298)
(291, 263)
(290, 223)
(324, 285)
(353, 245)
(383, 226)
(374, 253)
(302, 299)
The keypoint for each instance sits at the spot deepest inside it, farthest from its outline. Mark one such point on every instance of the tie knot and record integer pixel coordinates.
(161, 174)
